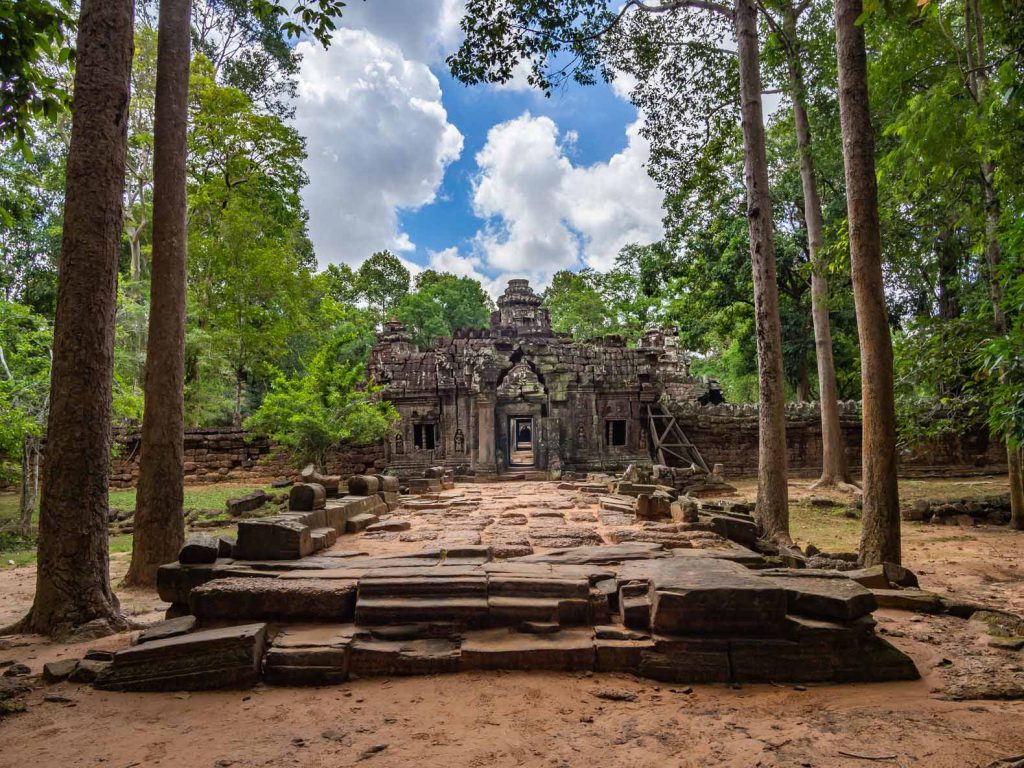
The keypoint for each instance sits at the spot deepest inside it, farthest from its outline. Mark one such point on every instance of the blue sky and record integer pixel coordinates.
(484, 181)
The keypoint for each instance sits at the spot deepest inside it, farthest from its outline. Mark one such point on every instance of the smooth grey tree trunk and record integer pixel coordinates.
(880, 531)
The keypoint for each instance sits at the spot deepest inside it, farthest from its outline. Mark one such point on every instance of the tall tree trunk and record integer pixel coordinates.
(29, 483)
(949, 265)
(834, 470)
(73, 576)
(880, 531)
(978, 80)
(772, 492)
(159, 522)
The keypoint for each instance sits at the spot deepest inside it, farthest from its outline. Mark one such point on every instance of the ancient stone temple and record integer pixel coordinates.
(518, 397)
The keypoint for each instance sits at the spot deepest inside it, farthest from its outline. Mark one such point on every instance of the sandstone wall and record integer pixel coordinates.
(727, 434)
(219, 454)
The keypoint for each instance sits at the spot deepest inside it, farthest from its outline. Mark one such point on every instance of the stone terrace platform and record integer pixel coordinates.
(534, 575)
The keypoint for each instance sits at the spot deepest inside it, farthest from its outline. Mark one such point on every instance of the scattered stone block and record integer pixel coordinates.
(167, 628)
(225, 546)
(273, 538)
(56, 671)
(247, 503)
(620, 655)
(823, 594)
(360, 522)
(198, 550)
(88, 671)
(363, 485)
(915, 600)
(205, 660)
(389, 526)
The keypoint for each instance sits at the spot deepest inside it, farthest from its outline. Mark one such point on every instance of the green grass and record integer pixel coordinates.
(827, 528)
(20, 551)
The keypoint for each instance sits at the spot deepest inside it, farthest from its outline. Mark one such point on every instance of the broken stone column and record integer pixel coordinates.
(306, 497)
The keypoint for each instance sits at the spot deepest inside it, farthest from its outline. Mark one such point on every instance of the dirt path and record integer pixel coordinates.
(547, 719)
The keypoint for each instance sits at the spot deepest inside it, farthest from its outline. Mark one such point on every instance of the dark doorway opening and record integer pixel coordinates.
(424, 436)
(520, 433)
(615, 432)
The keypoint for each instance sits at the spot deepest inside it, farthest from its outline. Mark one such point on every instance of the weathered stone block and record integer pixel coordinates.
(363, 485)
(205, 660)
(199, 549)
(568, 650)
(823, 594)
(275, 600)
(273, 538)
(167, 628)
(687, 661)
(428, 656)
(305, 497)
(250, 501)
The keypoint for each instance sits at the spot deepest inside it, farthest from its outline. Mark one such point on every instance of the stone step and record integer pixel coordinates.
(567, 650)
(204, 660)
(522, 586)
(323, 537)
(513, 611)
(379, 611)
(274, 600)
(372, 657)
(360, 521)
(315, 655)
(439, 585)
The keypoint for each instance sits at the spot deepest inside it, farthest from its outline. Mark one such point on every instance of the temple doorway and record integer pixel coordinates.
(520, 430)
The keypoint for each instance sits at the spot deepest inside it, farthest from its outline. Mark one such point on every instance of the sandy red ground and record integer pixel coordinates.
(547, 719)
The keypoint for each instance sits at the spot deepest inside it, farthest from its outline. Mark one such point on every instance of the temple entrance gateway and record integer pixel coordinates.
(520, 430)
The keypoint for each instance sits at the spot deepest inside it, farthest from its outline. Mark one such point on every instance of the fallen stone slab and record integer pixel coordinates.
(56, 671)
(567, 650)
(822, 594)
(167, 628)
(915, 600)
(389, 526)
(360, 522)
(205, 660)
(274, 600)
(883, 576)
(247, 503)
(709, 596)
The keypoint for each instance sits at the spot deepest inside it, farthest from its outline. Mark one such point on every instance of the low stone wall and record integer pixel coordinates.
(218, 454)
(727, 434)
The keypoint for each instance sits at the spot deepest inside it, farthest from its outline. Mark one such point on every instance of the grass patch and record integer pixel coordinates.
(828, 528)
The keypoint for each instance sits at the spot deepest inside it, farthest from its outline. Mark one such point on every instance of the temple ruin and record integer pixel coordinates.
(519, 398)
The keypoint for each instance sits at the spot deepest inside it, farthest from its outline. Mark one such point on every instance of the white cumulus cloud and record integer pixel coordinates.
(545, 214)
(378, 141)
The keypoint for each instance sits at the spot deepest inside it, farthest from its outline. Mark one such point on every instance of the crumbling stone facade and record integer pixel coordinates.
(518, 397)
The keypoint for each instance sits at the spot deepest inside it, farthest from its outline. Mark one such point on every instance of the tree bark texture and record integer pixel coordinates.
(73, 578)
(159, 523)
(880, 523)
(978, 81)
(834, 469)
(772, 492)
(29, 483)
